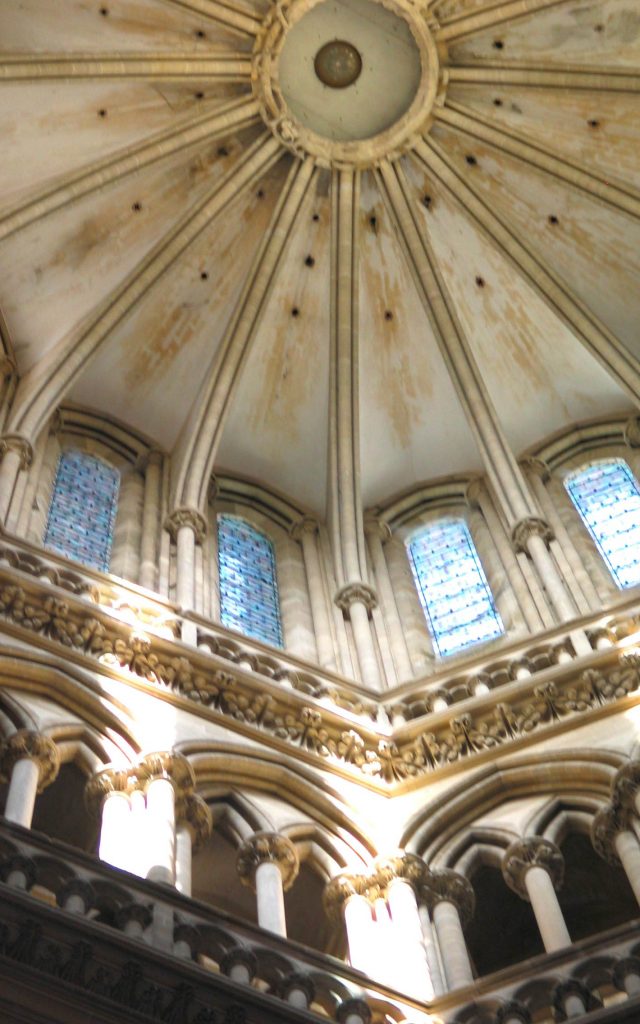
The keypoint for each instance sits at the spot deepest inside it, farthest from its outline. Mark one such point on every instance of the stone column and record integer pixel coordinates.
(614, 840)
(305, 533)
(187, 528)
(167, 778)
(632, 441)
(31, 763)
(401, 878)
(513, 1013)
(76, 896)
(626, 975)
(534, 868)
(378, 533)
(357, 600)
(298, 990)
(17, 456)
(353, 1011)
(501, 591)
(268, 863)
(538, 474)
(107, 795)
(150, 520)
(346, 898)
(451, 902)
(478, 496)
(194, 822)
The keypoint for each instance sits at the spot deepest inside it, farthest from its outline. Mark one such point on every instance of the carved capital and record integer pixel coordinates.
(353, 1008)
(536, 467)
(534, 852)
(573, 987)
(195, 813)
(353, 592)
(77, 887)
(265, 847)
(137, 912)
(474, 492)
(297, 981)
(20, 865)
(406, 866)
(446, 886)
(20, 445)
(341, 889)
(608, 822)
(307, 525)
(103, 784)
(239, 957)
(512, 1011)
(166, 764)
(376, 527)
(190, 517)
(530, 527)
(626, 785)
(632, 432)
(33, 746)
(629, 966)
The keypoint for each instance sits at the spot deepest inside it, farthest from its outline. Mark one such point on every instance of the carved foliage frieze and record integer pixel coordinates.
(312, 728)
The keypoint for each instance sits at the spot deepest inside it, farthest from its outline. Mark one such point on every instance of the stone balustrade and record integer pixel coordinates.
(128, 940)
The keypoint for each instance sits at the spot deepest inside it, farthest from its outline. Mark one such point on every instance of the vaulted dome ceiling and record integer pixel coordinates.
(170, 172)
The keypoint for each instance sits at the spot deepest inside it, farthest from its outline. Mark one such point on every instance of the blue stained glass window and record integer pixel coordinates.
(452, 587)
(83, 510)
(607, 497)
(248, 586)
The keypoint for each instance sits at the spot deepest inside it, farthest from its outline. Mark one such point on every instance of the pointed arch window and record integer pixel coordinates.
(607, 496)
(83, 509)
(248, 582)
(452, 587)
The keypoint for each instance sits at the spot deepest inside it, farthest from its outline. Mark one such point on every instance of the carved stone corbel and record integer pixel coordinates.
(352, 592)
(20, 445)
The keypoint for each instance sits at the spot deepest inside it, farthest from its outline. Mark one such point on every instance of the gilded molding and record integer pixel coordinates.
(33, 746)
(446, 886)
(533, 852)
(190, 517)
(264, 848)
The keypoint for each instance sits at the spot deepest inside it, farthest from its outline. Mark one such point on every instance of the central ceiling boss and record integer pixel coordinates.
(346, 81)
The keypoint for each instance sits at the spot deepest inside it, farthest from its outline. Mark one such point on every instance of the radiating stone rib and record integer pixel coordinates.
(230, 15)
(593, 79)
(502, 468)
(595, 336)
(189, 132)
(528, 530)
(198, 444)
(43, 388)
(492, 14)
(468, 121)
(157, 67)
(347, 520)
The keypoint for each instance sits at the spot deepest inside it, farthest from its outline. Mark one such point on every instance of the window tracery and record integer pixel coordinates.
(248, 583)
(83, 509)
(452, 587)
(607, 497)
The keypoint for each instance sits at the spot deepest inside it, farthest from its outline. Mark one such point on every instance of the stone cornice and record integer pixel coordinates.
(300, 722)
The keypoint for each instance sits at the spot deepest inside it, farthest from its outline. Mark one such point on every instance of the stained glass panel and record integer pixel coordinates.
(452, 587)
(248, 586)
(83, 510)
(607, 497)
